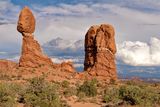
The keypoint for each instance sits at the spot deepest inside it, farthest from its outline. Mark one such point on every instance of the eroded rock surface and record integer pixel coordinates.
(100, 49)
(31, 55)
(99, 62)
(67, 66)
(26, 22)
(6, 65)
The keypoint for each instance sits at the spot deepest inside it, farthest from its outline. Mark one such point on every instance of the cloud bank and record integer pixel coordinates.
(136, 20)
(140, 53)
(134, 53)
(60, 18)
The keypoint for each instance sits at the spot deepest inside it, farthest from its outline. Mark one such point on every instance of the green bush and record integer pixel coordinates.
(65, 84)
(70, 91)
(89, 88)
(36, 85)
(81, 96)
(111, 95)
(8, 94)
(94, 81)
(135, 95)
(150, 97)
(131, 94)
(142, 95)
(42, 94)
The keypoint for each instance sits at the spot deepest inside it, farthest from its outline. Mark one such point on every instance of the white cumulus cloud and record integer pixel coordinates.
(140, 53)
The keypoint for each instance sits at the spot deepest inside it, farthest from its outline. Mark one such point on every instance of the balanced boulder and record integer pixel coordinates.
(31, 55)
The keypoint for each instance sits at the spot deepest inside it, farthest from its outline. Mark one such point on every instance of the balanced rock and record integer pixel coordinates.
(31, 55)
(100, 49)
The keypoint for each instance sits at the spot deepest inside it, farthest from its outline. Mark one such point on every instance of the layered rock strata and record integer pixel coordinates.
(32, 55)
(100, 49)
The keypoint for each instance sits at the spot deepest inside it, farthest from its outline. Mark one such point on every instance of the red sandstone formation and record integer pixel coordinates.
(26, 22)
(100, 49)
(6, 65)
(99, 62)
(67, 66)
(32, 55)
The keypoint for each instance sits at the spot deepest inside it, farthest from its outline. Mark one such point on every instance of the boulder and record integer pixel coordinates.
(26, 22)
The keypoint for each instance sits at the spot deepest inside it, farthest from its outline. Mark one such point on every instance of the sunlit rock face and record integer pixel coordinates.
(32, 55)
(100, 49)
(26, 22)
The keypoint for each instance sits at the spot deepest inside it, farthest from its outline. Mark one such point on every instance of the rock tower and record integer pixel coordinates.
(100, 49)
(31, 55)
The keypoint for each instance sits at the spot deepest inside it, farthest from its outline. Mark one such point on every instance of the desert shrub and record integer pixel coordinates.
(137, 95)
(150, 97)
(65, 84)
(144, 96)
(111, 95)
(89, 88)
(42, 94)
(94, 81)
(8, 93)
(131, 94)
(81, 96)
(70, 91)
(36, 85)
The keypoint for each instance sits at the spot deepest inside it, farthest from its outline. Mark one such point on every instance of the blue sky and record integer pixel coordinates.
(131, 18)
(56, 2)
(144, 5)
(136, 22)
(45, 2)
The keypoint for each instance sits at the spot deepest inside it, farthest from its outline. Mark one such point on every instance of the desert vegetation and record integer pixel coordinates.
(37, 92)
(133, 93)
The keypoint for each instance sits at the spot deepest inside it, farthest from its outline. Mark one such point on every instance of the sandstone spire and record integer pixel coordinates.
(100, 49)
(31, 55)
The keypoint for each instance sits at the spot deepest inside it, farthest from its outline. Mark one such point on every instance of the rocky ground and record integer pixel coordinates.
(39, 92)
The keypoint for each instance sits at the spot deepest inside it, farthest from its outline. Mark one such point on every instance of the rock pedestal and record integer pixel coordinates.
(100, 49)
(31, 55)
